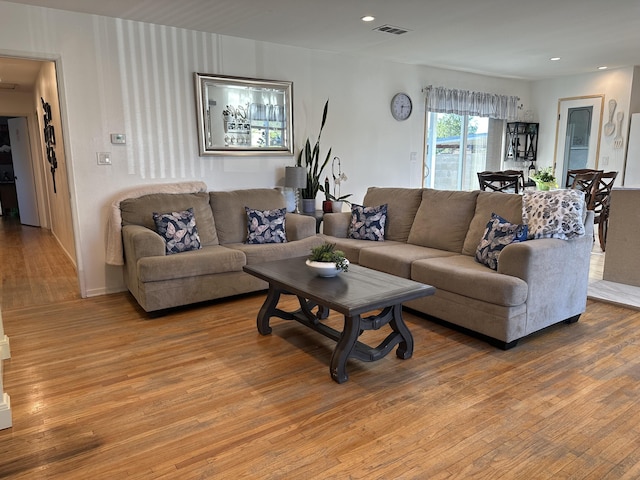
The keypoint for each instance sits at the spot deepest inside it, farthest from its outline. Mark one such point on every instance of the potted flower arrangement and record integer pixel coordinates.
(326, 261)
(338, 177)
(310, 159)
(544, 179)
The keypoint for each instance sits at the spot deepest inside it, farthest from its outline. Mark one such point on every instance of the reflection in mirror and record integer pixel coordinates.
(243, 116)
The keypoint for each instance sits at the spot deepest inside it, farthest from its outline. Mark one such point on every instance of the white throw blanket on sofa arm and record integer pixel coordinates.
(115, 253)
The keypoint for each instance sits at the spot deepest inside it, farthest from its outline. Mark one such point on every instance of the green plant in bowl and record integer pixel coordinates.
(544, 179)
(327, 253)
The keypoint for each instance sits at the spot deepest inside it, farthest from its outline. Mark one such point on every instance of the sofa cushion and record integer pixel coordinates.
(554, 213)
(178, 230)
(229, 210)
(462, 275)
(367, 223)
(507, 205)
(498, 234)
(396, 258)
(443, 219)
(276, 251)
(352, 248)
(206, 261)
(139, 211)
(265, 226)
(402, 205)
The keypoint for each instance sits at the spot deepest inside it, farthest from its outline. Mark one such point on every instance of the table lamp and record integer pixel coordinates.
(295, 178)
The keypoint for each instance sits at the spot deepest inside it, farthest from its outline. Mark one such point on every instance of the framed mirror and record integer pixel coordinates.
(243, 116)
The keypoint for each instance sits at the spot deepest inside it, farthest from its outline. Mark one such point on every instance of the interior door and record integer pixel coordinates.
(578, 134)
(23, 171)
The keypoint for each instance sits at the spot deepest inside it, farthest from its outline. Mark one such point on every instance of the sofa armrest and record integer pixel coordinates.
(557, 275)
(336, 224)
(141, 242)
(298, 227)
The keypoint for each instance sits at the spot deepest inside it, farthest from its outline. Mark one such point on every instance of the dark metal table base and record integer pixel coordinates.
(348, 345)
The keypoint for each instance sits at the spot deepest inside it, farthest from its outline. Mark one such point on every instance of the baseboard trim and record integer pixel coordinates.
(5, 412)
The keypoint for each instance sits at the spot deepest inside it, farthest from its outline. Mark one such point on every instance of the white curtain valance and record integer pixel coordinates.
(465, 102)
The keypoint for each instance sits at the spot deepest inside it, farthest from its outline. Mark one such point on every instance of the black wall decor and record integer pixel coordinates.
(50, 141)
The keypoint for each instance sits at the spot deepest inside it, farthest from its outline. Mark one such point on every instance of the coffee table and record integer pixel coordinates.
(353, 293)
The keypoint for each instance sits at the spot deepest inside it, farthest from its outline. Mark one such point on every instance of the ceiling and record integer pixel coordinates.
(504, 38)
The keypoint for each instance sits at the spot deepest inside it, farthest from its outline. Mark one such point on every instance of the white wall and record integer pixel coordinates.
(128, 77)
(614, 84)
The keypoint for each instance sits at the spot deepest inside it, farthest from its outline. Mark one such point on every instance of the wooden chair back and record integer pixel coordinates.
(571, 174)
(601, 200)
(587, 182)
(499, 182)
(520, 173)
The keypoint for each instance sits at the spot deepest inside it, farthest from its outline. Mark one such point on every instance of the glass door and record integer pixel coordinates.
(456, 151)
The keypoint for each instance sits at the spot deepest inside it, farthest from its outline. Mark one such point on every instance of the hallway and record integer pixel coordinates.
(35, 270)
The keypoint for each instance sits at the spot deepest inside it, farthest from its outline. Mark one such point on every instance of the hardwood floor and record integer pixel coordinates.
(100, 390)
(34, 269)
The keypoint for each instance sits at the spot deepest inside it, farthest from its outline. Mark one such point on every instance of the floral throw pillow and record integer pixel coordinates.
(498, 234)
(266, 226)
(367, 223)
(178, 229)
(554, 214)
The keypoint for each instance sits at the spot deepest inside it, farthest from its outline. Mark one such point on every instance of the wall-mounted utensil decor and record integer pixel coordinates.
(609, 127)
(617, 140)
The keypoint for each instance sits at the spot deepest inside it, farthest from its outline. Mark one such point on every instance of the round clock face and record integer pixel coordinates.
(401, 106)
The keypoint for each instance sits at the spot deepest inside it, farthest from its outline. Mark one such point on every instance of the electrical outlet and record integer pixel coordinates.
(605, 160)
(104, 158)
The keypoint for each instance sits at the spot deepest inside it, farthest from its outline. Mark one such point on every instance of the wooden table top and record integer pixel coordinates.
(350, 293)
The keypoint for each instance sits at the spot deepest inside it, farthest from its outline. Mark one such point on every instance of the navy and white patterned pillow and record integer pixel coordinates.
(554, 214)
(498, 234)
(179, 231)
(266, 226)
(367, 223)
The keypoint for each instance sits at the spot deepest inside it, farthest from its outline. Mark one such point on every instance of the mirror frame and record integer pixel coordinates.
(223, 137)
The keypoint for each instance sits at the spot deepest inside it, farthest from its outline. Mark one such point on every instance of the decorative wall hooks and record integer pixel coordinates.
(50, 141)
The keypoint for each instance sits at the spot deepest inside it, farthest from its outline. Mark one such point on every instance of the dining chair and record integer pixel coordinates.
(499, 182)
(587, 182)
(571, 174)
(601, 201)
(520, 173)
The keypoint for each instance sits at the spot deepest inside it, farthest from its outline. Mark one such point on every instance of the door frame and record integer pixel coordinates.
(41, 183)
(596, 127)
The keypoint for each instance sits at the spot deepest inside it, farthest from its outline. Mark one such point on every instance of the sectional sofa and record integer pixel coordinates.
(431, 236)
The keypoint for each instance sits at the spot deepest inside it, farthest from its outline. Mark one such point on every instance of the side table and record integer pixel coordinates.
(318, 215)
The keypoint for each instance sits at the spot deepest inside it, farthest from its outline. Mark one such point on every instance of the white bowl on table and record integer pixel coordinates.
(324, 269)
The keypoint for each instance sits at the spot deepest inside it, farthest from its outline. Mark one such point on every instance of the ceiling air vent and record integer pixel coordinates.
(391, 29)
(7, 86)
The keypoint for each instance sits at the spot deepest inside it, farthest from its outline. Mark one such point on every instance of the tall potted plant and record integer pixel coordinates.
(310, 159)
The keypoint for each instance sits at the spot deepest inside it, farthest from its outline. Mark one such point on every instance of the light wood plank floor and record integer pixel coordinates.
(101, 391)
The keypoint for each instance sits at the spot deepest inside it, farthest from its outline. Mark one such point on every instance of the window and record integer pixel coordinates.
(463, 136)
(459, 146)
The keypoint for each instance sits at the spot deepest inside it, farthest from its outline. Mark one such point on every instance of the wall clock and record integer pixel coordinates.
(401, 106)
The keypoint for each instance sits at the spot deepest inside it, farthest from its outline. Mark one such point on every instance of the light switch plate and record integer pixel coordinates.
(118, 138)
(104, 158)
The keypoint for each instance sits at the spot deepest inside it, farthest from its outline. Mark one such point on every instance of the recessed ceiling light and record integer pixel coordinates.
(368, 18)
(554, 59)
(602, 67)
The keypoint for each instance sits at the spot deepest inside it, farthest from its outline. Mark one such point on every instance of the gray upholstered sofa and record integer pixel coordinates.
(431, 236)
(159, 281)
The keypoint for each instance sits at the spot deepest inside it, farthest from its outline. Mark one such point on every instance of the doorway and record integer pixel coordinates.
(577, 134)
(34, 81)
(22, 172)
